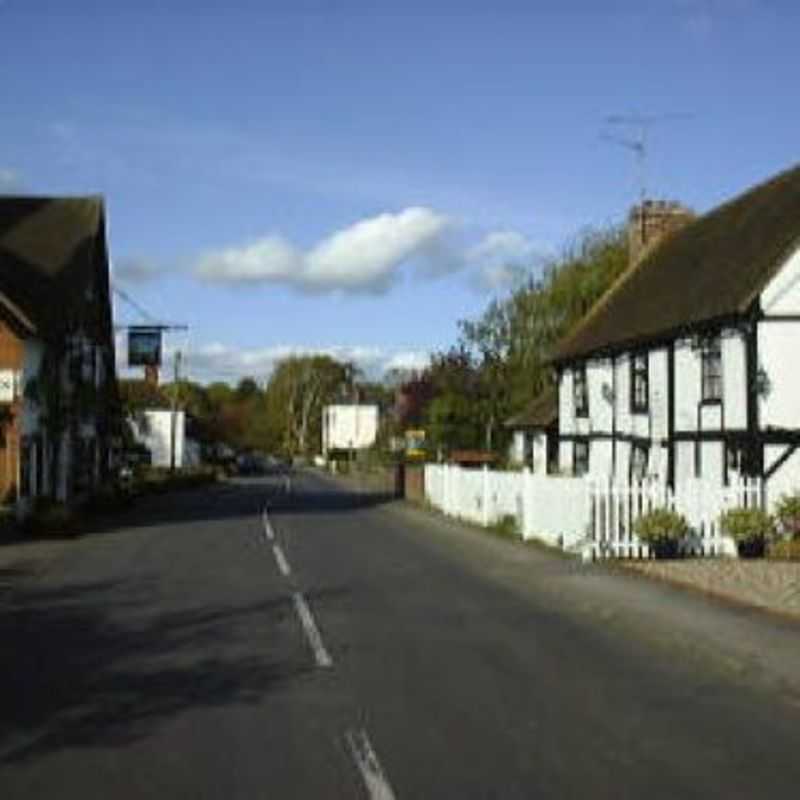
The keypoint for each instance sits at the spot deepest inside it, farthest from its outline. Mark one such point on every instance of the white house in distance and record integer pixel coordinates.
(153, 429)
(349, 427)
(687, 367)
(534, 433)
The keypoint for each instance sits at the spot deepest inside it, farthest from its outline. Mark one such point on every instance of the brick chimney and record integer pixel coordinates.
(651, 222)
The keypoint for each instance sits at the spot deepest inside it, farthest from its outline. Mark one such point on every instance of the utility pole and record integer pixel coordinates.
(174, 409)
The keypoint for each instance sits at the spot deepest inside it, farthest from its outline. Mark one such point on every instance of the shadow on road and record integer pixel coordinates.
(234, 500)
(95, 664)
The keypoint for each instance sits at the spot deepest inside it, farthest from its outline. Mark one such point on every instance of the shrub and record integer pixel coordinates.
(50, 518)
(506, 526)
(111, 497)
(788, 550)
(661, 524)
(747, 524)
(787, 515)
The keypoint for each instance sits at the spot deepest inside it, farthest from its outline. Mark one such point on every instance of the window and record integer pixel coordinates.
(580, 457)
(580, 391)
(711, 371)
(733, 457)
(640, 383)
(640, 455)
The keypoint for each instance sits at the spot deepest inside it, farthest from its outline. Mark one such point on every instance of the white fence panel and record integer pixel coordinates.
(578, 513)
(556, 509)
(616, 507)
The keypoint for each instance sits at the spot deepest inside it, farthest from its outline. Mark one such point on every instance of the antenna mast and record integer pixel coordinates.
(636, 142)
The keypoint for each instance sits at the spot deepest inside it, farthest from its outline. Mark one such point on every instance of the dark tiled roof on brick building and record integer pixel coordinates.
(51, 250)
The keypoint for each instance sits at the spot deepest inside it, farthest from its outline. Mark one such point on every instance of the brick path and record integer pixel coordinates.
(774, 585)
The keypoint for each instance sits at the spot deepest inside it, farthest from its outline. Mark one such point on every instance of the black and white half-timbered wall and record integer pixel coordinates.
(689, 366)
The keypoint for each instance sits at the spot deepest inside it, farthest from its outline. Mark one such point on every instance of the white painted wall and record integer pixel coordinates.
(687, 386)
(516, 451)
(539, 461)
(565, 456)
(600, 380)
(659, 396)
(778, 346)
(782, 293)
(787, 477)
(566, 407)
(734, 380)
(154, 432)
(600, 456)
(349, 426)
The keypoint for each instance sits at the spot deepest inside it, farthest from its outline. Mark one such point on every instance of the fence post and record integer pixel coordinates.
(486, 494)
(526, 500)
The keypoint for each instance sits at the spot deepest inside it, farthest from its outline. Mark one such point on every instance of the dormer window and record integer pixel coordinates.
(580, 391)
(640, 383)
(711, 371)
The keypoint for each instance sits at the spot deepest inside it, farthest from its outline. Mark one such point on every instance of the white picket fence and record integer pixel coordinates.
(616, 507)
(593, 517)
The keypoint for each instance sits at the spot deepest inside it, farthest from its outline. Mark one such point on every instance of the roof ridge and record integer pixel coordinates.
(725, 279)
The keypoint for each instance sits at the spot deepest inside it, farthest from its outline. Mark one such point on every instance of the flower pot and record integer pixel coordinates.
(665, 548)
(751, 548)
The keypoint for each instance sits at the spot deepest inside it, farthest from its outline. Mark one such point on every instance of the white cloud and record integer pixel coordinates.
(700, 18)
(368, 256)
(9, 180)
(364, 257)
(501, 260)
(216, 361)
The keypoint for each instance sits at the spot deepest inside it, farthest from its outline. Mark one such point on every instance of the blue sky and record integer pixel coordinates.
(357, 176)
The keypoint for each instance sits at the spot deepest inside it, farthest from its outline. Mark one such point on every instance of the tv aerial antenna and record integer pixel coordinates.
(632, 131)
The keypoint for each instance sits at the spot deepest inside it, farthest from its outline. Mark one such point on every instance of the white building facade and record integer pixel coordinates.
(684, 369)
(154, 429)
(349, 427)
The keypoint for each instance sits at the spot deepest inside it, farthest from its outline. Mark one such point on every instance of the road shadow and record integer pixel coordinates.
(96, 664)
(321, 501)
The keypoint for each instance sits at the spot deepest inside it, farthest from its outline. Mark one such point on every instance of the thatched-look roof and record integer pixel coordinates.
(541, 413)
(712, 269)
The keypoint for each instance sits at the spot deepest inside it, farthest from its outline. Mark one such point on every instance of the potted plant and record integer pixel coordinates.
(663, 530)
(787, 515)
(750, 528)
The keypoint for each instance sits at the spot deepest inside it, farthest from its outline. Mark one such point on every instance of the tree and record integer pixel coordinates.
(299, 388)
(500, 360)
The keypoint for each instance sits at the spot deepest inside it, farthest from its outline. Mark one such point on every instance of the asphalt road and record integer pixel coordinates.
(345, 647)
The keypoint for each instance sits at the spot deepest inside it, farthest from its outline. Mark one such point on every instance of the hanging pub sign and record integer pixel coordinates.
(144, 347)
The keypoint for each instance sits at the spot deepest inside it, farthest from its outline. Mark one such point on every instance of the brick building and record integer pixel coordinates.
(57, 377)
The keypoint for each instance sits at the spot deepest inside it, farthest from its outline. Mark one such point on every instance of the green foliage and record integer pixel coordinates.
(156, 480)
(109, 498)
(747, 524)
(661, 525)
(501, 358)
(787, 515)
(51, 519)
(506, 527)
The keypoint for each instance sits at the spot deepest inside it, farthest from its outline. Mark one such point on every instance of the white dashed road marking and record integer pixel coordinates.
(283, 564)
(312, 632)
(377, 785)
(268, 532)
